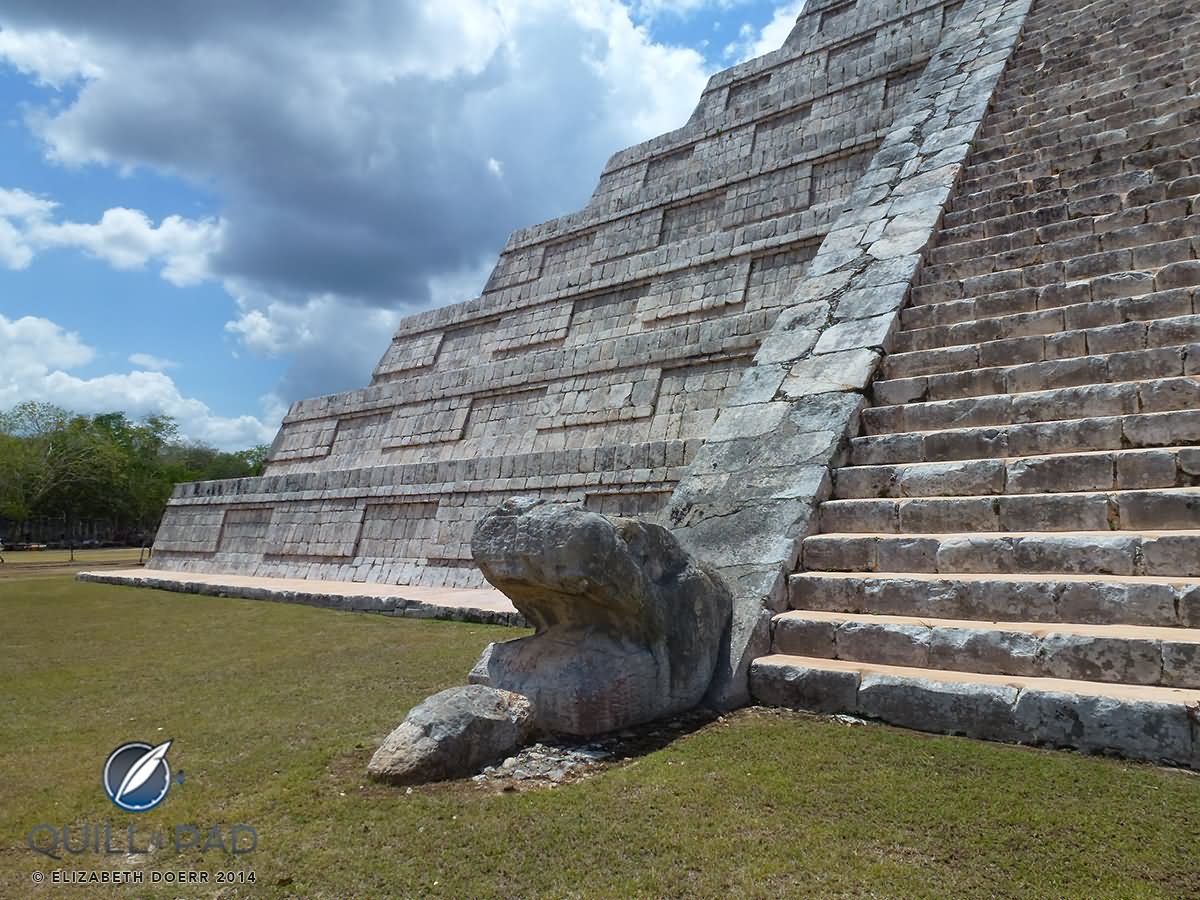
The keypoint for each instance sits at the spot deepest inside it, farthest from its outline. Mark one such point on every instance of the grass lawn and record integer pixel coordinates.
(275, 710)
(51, 563)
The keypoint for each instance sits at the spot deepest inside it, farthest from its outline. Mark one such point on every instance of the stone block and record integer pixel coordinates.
(802, 687)
(849, 370)
(804, 637)
(1098, 724)
(1089, 658)
(889, 644)
(943, 707)
(855, 334)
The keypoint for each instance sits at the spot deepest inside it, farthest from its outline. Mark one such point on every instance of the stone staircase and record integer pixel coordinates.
(1012, 549)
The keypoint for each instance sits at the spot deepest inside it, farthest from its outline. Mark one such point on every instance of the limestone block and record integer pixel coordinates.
(794, 333)
(993, 650)
(977, 710)
(951, 479)
(889, 644)
(1089, 658)
(804, 637)
(801, 687)
(848, 370)
(855, 334)
(1180, 664)
(863, 303)
(1098, 724)
(1107, 602)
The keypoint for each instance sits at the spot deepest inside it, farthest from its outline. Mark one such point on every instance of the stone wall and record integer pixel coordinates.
(606, 341)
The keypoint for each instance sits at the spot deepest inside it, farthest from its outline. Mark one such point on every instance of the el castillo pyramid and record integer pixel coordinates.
(900, 332)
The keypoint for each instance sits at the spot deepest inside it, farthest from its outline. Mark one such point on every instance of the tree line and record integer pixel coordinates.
(60, 469)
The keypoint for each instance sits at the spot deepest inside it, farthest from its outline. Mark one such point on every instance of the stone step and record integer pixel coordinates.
(1076, 168)
(1162, 172)
(1095, 196)
(1084, 158)
(1137, 721)
(1168, 429)
(1032, 85)
(1127, 252)
(1158, 395)
(1157, 510)
(1017, 597)
(1130, 192)
(1118, 306)
(1106, 368)
(1158, 553)
(1004, 136)
(1115, 470)
(1082, 152)
(1089, 222)
(1100, 341)
(1120, 654)
(1126, 142)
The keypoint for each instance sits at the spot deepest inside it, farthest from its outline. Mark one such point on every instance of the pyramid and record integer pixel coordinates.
(605, 341)
(900, 333)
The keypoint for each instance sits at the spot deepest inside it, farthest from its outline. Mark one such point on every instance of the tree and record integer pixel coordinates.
(65, 466)
(58, 465)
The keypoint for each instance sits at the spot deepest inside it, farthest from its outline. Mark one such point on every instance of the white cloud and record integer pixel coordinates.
(124, 238)
(51, 58)
(15, 252)
(32, 343)
(127, 239)
(36, 355)
(18, 204)
(151, 362)
(752, 42)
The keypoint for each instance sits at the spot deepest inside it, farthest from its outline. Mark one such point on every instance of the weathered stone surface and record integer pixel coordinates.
(453, 734)
(628, 625)
(1143, 730)
(850, 370)
(977, 710)
(801, 687)
(854, 334)
(804, 637)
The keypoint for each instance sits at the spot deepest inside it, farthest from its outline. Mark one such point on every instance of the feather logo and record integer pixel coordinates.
(137, 775)
(142, 770)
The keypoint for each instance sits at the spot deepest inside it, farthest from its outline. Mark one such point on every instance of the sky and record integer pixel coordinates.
(211, 210)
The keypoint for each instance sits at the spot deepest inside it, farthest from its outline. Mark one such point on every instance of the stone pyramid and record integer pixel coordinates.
(605, 342)
(901, 333)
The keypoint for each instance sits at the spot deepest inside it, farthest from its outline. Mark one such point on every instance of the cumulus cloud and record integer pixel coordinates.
(752, 42)
(152, 362)
(31, 343)
(366, 154)
(50, 57)
(124, 238)
(36, 356)
(127, 239)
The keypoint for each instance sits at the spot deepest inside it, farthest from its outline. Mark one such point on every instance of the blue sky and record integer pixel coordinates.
(210, 211)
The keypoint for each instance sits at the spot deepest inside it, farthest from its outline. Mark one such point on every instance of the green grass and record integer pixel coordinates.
(275, 710)
(49, 563)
